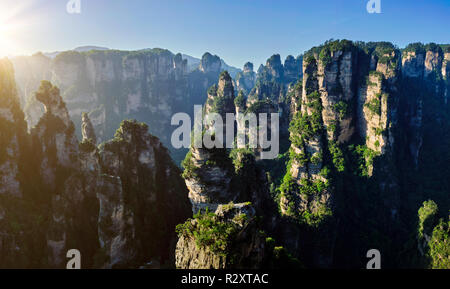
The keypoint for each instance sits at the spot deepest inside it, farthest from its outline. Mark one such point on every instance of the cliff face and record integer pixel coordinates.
(148, 85)
(364, 140)
(208, 172)
(215, 177)
(150, 208)
(12, 153)
(246, 79)
(112, 203)
(13, 131)
(241, 243)
(367, 110)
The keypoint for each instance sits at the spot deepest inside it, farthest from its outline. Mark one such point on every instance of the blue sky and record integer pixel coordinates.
(236, 30)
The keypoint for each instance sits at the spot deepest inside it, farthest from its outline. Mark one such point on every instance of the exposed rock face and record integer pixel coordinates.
(55, 133)
(112, 205)
(37, 68)
(363, 100)
(208, 172)
(147, 210)
(87, 130)
(327, 96)
(337, 106)
(148, 85)
(292, 68)
(424, 67)
(210, 63)
(413, 64)
(378, 105)
(272, 92)
(245, 246)
(12, 153)
(216, 177)
(248, 67)
(68, 187)
(12, 129)
(246, 79)
(363, 155)
(116, 227)
(274, 68)
(413, 68)
(433, 62)
(446, 74)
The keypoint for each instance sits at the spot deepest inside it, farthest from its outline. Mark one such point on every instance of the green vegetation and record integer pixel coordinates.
(260, 106)
(342, 108)
(208, 232)
(242, 158)
(310, 188)
(87, 146)
(433, 47)
(374, 105)
(316, 158)
(325, 56)
(240, 101)
(279, 258)
(417, 47)
(365, 157)
(428, 215)
(376, 74)
(433, 234)
(317, 217)
(337, 156)
(440, 246)
(213, 90)
(189, 167)
(304, 126)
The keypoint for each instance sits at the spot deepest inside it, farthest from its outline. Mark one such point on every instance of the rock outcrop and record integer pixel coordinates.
(236, 244)
(147, 208)
(364, 140)
(112, 204)
(246, 79)
(210, 63)
(215, 177)
(87, 129)
(12, 129)
(148, 85)
(208, 172)
(13, 144)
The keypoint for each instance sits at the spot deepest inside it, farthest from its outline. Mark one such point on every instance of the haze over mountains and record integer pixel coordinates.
(149, 85)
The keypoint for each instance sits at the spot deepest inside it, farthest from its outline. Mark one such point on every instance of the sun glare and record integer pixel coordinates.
(12, 26)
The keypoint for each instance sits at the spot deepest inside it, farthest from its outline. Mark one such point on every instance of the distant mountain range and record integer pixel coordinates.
(193, 62)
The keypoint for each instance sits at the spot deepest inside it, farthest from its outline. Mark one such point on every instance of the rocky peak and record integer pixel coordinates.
(413, 60)
(210, 63)
(87, 129)
(274, 67)
(433, 59)
(292, 69)
(221, 96)
(225, 87)
(179, 62)
(149, 206)
(50, 97)
(248, 67)
(246, 79)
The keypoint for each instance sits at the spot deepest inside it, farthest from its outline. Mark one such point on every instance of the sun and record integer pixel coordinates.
(13, 23)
